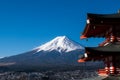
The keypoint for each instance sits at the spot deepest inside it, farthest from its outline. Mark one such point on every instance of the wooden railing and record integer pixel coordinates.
(107, 72)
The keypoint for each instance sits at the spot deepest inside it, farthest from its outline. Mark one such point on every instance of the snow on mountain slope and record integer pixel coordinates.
(60, 44)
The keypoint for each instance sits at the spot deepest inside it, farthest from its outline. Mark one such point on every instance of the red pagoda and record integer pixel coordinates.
(108, 27)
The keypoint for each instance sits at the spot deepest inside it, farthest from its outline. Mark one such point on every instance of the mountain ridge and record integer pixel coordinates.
(61, 51)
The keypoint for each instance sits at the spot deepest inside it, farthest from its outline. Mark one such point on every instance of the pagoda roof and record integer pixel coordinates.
(110, 48)
(100, 25)
(101, 52)
(107, 16)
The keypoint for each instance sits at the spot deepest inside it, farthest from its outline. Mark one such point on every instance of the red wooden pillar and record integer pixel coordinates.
(113, 65)
(107, 65)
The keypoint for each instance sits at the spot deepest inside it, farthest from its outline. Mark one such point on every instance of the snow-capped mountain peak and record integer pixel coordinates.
(60, 44)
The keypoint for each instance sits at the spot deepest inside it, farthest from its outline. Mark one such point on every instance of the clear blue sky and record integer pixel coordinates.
(25, 24)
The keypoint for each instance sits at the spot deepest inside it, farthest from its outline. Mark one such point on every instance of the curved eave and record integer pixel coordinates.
(98, 25)
(83, 37)
(104, 51)
(105, 16)
(94, 31)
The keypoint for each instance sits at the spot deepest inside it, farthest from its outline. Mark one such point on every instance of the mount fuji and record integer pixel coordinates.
(61, 51)
(61, 44)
